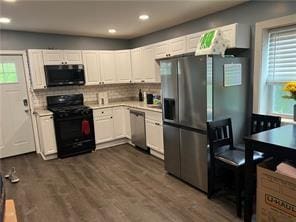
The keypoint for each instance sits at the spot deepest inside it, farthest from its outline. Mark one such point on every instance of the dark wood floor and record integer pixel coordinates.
(115, 184)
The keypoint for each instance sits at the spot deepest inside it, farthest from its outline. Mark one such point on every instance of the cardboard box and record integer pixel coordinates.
(10, 214)
(276, 195)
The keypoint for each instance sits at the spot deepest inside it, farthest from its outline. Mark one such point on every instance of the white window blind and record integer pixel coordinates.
(282, 55)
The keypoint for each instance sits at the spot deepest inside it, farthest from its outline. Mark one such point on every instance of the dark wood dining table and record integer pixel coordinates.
(280, 143)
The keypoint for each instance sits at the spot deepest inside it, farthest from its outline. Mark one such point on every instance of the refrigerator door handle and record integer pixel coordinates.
(169, 109)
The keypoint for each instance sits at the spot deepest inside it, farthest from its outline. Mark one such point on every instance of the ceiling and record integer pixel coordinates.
(94, 18)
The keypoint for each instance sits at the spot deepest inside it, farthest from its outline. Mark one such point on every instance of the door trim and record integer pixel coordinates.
(29, 91)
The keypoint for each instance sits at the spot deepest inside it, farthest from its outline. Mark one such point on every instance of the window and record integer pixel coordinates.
(281, 68)
(8, 73)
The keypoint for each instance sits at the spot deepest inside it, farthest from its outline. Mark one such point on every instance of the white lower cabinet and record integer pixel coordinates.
(103, 128)
(127, 122)
(118, 123)
(46, 134)
(154, 135)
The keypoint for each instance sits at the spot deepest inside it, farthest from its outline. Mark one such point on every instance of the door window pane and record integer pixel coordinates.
(8, 73)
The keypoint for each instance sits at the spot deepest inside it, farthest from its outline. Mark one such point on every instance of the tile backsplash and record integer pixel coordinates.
(116, 92)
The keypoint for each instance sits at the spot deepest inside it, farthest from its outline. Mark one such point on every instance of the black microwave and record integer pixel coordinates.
(64, 75)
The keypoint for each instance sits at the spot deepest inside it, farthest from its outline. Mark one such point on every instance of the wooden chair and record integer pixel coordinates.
(260, 123)
(224, 154)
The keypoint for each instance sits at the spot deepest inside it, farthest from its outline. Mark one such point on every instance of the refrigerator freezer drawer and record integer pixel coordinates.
(171, 149)
(194, 158)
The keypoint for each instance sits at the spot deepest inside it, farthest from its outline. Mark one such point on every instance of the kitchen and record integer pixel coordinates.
(139, 102)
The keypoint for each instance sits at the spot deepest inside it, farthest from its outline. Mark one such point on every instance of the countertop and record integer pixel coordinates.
(42, 112)
(131, 104)
(95, 105)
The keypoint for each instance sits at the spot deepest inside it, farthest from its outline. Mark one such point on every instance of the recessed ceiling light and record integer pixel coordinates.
(9, 0)
(112, 31)
(144, 17)
(4, 20)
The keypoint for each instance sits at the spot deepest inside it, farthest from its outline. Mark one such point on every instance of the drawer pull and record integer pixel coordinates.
(157, 124)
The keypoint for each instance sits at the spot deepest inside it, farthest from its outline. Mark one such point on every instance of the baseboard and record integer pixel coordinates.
(112, 143)
(156, 154)
(49, 157)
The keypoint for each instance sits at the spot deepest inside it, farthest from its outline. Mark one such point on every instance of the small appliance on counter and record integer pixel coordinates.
(149, 98)
(74, 125)
(103, 98)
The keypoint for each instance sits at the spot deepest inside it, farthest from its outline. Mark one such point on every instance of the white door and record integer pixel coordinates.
(16, 132)
(91, 61)
(162, 50)
(178, 46)
(36, 69)
(107, 61)
(154, 135)
(123, 66)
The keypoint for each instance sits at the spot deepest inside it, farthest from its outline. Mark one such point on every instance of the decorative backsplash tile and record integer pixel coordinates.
(116, 92)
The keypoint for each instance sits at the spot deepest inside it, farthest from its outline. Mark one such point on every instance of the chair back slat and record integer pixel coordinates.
(260, 123)
(219, 134)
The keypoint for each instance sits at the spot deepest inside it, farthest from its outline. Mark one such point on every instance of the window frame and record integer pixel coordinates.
(261, 89)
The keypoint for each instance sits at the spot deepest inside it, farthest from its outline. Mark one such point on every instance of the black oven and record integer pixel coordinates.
(63, 75)
(74, 125)
(74, 134)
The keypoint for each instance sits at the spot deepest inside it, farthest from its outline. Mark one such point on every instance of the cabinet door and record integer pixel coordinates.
(123, 66)
(177, 46)
(53, 57)
(191, 42)
(149, 64)
(91, 61)
(107, 61)
(47, 135)
(154, 135)
(103, 129)
(72, 57)
(118, 122)
(162, 50)
(137, 65)
(36, 69)
(127, 123)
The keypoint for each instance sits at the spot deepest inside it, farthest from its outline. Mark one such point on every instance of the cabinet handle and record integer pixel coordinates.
(65, 62)
(103, 112)
(51, 117)
(157, 124)
(111, 117)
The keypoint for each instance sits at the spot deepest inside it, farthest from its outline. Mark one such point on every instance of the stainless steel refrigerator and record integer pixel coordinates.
(197, 89)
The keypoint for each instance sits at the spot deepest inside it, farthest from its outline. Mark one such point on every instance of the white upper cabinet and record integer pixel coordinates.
(137, 65)
(91, 61)
(36, 67)
(170, 48)
(144, 64)
(177, 46)
(72, 57)
(162, 49)
(149, 63)
(123, 66)
(62, 57)
(238, 35)
(108, 70)
(191, 42)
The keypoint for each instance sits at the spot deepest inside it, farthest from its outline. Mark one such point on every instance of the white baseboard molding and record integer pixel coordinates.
(112, 143)
(156, 154)
(49, 157)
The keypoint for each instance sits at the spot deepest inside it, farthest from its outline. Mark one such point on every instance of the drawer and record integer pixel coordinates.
(103, 112)
(155, 116)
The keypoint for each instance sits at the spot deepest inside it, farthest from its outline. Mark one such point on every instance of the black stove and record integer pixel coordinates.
(73, 122)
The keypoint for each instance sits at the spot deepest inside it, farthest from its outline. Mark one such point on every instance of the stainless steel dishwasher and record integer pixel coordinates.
(138, 130)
